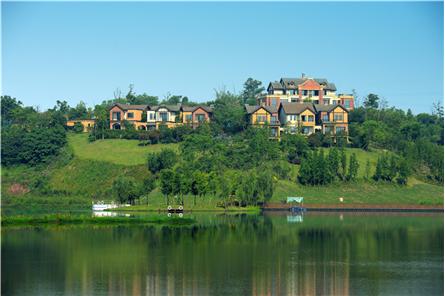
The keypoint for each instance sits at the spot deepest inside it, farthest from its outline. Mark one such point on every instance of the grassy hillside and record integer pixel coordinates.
(362, 157)
(93, 178)
(90, 172)
(116, 151)
(362, 192)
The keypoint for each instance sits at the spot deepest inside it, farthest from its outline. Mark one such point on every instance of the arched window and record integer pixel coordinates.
(116, 126)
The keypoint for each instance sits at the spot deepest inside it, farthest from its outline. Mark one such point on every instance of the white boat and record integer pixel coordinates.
(100, 206)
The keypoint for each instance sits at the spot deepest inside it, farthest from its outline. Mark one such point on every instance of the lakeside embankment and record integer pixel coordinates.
(9, 221)
(359, 207)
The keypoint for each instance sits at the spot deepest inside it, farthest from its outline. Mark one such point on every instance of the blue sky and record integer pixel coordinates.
(84, 51)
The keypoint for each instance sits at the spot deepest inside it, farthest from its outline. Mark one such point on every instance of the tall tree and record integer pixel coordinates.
(438, 110)
(8, 107)
(252, 89)
(172, 99)
(166, 178)
(79, 112)
(228, 112)
(353, 167)
(372, 101)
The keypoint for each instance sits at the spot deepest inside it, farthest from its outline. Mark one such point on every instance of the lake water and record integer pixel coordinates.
(274, 254)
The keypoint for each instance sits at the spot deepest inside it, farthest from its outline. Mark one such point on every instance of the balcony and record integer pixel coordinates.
(275, 122)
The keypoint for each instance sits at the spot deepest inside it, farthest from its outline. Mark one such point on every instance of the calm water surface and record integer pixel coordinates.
(314, 254)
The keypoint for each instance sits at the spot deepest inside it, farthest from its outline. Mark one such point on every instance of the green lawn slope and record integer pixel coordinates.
(115, 151)
(90, 172)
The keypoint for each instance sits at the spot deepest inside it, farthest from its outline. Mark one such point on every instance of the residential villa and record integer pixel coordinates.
(196, 115)
(131, 113)
(298, 117)
(292, 105)
(347, 100)
(333, 119)
(87, 124)
(307, 118)
(305, 90)
(264, 116)
(145, 117)
(167, 115)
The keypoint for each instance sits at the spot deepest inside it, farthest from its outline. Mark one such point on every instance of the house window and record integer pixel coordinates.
(315, 92)
(306, 130)
(316, 102)
(261, 118)
(339, 129)
(303, 118)
(130, 115)
(328, 130)
(188, 118)
(338, 116)
(152, 116)
(325, 117)
(163, 116)
(347, 103)
(326, 102)
(116, 116)
(201, 117)
(273, 132)
(311, 118)
(305, 92)
(273, 102)
(273, 119)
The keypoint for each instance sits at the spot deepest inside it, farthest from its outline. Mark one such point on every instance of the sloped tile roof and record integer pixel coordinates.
(194, 108)
(297, 108)
(327, 108)
(130, 107)
(253, 109)
(173, 108)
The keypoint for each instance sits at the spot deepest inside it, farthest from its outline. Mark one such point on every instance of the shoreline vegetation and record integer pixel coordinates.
(59, 220)
(389, 156)
(74, 180)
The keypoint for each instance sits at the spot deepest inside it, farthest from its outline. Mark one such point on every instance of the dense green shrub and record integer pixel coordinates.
(392, 168)
(126, 190)
(20, 145)
(296, 147)
(318, 169)
(78, 127)
(153, 136)
(162, 160)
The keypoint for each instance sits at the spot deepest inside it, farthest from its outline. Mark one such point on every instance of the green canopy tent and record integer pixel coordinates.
(295, 200)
